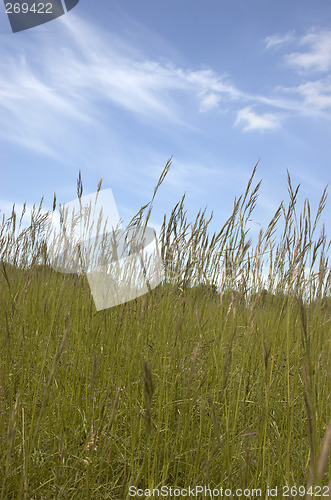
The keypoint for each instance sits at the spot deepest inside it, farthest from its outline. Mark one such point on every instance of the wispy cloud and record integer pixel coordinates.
(51, 95)
(316, 52)
(250, 120)
(277, 40)
(317, 94)
(45, 97)
(311, 96)
(314, 96)
(209, 102)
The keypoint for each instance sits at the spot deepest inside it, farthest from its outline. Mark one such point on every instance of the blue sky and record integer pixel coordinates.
(116, 87)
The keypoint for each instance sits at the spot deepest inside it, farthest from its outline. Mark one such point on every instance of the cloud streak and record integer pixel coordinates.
(277, 40)
(45, 97)
(250, 120)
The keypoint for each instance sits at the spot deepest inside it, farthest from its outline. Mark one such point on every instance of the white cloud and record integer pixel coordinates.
(50, 94)
(313, 97)
(317, 56)
(251, 121)
(317, 95)
(277, 40)
(310, 97)
(210, 101)
(48, 90)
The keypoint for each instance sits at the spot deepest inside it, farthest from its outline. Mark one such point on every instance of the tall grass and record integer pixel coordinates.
(220, 376)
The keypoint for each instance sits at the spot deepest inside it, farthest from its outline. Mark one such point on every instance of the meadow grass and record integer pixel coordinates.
(220, 376)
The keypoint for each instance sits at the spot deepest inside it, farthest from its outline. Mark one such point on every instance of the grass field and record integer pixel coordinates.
(219, 377)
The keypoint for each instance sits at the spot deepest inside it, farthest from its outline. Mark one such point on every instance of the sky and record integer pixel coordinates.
(115, 88)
